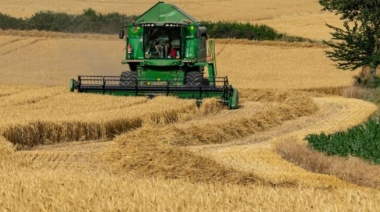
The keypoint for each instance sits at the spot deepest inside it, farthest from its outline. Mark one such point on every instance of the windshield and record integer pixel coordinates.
(162, 42)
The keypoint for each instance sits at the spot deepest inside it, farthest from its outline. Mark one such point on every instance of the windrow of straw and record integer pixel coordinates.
(223, 131)
(149, 158)
(49, 132)
(160, 151)
(41, 133)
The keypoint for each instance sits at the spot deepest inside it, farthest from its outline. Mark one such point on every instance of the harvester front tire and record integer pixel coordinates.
(128, 78)
(194, 79)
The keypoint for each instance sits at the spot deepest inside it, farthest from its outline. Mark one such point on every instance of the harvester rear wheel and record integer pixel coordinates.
(194, 78)
(128, 78)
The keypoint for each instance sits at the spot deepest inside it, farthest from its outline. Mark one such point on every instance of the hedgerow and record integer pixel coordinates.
(8, 22)
(91, 21)
(361, 141)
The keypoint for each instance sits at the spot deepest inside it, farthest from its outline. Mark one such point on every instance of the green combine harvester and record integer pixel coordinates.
(167, 53)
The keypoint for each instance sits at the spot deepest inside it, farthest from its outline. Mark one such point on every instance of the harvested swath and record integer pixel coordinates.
(97, 127)
(287, 106)
(42, 133)
(272, 95)
(149, 158)
(209, 106)
(350, 169)
(159, 152)
(298, 103)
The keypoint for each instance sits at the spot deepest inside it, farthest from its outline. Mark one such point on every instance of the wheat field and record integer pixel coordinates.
(62, 151)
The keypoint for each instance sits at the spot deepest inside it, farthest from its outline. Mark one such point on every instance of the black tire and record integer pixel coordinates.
(128, 78)
(194, 79)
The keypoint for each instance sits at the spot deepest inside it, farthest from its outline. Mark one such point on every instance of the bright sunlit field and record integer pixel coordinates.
(62, 151)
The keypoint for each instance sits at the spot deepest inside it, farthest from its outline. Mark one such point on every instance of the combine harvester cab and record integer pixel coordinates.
(167, 54)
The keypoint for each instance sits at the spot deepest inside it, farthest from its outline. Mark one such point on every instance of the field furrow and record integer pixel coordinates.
(8, 41)
(17, 45)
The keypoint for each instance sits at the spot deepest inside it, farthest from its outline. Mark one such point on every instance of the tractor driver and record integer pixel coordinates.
(161, 41)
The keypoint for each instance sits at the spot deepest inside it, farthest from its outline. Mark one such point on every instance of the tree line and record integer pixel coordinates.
(91, 21)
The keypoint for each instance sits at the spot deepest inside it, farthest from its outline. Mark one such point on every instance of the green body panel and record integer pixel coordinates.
(161, 63)
(192, 49)
(162, 13)
(134, 39)
(154, 77)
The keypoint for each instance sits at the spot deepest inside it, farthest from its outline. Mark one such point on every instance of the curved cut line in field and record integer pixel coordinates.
(150, 159)
(259, 156)
(160, 152)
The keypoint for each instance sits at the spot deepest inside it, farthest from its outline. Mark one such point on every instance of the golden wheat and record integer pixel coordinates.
(179, 157)
(30, 189)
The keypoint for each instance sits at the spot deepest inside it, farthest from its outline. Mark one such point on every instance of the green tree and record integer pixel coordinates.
(357, 44)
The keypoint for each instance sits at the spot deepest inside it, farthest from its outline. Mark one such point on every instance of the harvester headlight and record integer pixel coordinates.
(148, 25)
(171, 25)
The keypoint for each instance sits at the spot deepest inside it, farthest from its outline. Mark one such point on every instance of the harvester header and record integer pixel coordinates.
(167, 52)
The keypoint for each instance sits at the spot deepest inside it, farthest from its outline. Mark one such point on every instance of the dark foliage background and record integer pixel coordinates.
(91, 21)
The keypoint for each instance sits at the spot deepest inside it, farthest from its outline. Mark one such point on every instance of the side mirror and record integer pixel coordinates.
(121, 34)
